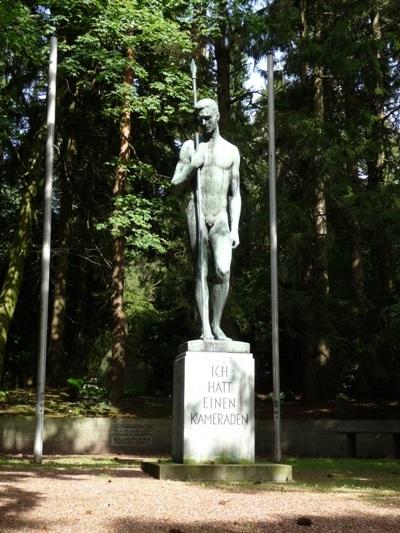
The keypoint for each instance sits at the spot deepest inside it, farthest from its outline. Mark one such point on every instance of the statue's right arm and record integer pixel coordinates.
(185, 168)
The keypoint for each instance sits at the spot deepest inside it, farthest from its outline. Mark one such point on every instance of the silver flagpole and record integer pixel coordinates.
(200, 265)
(274, 261)
(44, 296)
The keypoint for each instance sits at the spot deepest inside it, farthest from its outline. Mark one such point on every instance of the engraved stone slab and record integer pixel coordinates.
(213, 408)
(132, 435)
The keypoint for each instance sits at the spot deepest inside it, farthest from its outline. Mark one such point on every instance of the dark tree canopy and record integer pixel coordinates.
(121, 277)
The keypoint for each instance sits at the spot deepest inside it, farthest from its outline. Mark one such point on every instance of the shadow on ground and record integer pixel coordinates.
(355, 523)
(13, 503)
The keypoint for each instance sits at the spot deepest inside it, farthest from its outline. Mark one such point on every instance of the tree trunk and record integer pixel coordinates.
(308, 360)
(323, 355)
(15, 270)
(198, 38)
(317, 364)
(119, 322)
(79, 342)
(375, 165)
(357, 256)
(308, 339)
(357, 259)
(56, 352)
(222, 57)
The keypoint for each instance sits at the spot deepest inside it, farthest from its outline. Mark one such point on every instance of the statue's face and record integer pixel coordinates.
(208, 120)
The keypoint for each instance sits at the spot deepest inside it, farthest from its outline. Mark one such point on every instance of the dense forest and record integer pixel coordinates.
(121, 275)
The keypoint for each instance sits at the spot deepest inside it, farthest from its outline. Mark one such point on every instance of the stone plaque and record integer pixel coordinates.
(132, 435)
(213, 407)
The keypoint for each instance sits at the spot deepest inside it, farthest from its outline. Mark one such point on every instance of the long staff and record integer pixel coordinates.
(199, 210)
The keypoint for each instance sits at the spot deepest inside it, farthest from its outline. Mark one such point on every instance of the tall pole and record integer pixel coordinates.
(200, 244)
(45, 279)
(274, 261)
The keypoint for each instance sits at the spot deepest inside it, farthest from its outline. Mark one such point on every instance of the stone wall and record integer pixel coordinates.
(313, 438)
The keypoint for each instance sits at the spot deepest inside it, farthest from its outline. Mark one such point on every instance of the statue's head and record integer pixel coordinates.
(207, 115)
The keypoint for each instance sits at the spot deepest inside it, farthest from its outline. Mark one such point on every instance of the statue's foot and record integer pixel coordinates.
(219, 334)
(207, 335)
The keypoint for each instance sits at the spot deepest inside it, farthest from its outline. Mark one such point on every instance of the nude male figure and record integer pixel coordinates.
(218, 161)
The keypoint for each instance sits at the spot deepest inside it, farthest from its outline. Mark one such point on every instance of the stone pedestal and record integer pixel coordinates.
(213, 406)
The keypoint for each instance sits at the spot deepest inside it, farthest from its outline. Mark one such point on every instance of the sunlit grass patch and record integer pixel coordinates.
(376, 480)
(70, 462)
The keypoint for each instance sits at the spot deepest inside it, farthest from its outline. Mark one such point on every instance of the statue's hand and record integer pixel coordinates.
(235, 239)
(197, 160)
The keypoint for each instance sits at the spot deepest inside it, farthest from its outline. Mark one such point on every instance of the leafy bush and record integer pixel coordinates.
(74, 387)
(85, 388)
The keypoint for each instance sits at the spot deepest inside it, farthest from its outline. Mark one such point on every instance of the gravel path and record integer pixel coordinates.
(124, 499)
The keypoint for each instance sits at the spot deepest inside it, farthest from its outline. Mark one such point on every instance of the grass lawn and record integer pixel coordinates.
(69, 462)
(377, 478)
(343, 474)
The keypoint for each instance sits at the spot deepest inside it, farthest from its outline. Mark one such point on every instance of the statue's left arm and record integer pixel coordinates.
(235, 201)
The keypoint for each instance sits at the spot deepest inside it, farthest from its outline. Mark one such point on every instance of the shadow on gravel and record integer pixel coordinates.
(13, 503)
(341, 523)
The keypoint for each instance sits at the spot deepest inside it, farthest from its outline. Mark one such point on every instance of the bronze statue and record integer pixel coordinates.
(215, 234)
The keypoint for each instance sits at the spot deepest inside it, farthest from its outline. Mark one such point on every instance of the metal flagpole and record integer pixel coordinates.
(274, 261)
(44, 296)
(200, 265)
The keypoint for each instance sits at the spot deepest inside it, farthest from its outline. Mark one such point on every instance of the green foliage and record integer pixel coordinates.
(98, 56)
(86, 387)
(338, 149)
(134, 217)
(74, 387)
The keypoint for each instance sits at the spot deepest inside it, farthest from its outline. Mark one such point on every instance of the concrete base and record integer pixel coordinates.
(212, 345)
(201, 472)
(213, 405)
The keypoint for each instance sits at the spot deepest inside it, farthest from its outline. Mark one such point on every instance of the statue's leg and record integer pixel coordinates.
(201, 271)
(221, 244)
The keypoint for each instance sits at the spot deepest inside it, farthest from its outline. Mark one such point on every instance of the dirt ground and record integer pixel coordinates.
(123, 499)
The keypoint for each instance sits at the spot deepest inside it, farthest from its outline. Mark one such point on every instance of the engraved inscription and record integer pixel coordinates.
(220, 404)
(132, 435)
